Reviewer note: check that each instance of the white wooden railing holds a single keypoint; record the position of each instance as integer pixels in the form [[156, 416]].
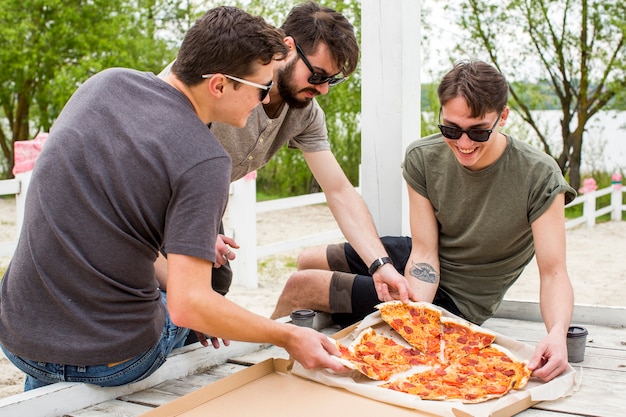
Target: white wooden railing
[[243, 209]]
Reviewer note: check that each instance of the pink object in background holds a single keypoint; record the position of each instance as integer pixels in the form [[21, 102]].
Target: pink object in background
[[616, 181], [589, 185], [26, 153], [250, 176]]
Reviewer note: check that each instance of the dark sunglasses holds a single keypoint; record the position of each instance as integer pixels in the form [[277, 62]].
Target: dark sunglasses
[[265, 89], [477, 135], [315, 78]]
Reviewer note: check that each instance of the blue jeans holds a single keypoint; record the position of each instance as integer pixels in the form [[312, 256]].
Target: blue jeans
[[39, 374]]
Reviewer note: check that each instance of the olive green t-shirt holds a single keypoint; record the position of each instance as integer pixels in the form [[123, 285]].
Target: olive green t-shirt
[[484, 217]]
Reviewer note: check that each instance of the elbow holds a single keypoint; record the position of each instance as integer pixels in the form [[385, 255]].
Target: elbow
[[179, 312]]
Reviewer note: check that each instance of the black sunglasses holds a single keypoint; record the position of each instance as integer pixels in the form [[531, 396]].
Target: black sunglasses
[[477, 135], [315, 78]]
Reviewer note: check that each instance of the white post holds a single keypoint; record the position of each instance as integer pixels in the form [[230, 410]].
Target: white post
[[20, 198], [589, 208], [390, 106], [616, 197], [242, 228]]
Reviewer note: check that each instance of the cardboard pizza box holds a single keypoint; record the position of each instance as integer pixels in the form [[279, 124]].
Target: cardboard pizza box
[[279, 387], [269, 389]]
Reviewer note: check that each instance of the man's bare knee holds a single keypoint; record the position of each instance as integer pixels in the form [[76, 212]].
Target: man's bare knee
[[313, 258]]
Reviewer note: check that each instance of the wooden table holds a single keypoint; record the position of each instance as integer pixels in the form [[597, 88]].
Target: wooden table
[[602, 390]]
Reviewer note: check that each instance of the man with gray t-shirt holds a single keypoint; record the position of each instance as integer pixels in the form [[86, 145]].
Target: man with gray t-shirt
[[129, 171]]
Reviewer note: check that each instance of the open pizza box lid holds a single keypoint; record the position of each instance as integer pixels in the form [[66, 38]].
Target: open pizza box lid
[[513, 402]]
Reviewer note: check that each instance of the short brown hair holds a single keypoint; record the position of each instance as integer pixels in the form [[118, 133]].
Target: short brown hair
[[230, 41], [482, 86], [309, 24]]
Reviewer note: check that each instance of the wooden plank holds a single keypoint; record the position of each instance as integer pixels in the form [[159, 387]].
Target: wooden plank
[[172, 389], [583, 314], [599, 336], [601, 393], [62, 398], [255, 357], [602, 373], [113, 408]]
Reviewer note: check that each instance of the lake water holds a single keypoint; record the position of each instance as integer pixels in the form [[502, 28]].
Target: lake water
[[604, 141]]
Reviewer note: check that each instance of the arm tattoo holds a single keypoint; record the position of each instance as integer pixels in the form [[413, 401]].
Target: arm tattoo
[[424, 272]]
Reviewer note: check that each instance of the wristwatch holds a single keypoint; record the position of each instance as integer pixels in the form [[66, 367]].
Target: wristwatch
[[377, 264]]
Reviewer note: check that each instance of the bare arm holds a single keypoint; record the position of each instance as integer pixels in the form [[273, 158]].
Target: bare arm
[[356, 224], [192, 303], [422, 269], [556, 296]]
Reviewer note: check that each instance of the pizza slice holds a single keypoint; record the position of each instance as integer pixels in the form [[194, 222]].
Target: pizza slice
[[378, 357], [489, 373], [427, 385], [417, 323], [460, 338]]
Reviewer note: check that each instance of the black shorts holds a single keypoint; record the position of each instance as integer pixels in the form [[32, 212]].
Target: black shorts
[[352, 292]]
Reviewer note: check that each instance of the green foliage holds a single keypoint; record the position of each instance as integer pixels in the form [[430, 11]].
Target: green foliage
[[287, 173], [575, 47], [51, 46], [603, 180], [430, 109]]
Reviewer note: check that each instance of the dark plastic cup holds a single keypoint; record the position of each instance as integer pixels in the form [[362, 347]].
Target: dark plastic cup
[[576, 341], [302, 318]]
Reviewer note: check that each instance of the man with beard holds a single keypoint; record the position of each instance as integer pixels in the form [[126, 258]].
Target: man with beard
[[323, 52]]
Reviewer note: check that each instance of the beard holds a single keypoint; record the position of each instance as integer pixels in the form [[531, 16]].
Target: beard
[[286, 90]]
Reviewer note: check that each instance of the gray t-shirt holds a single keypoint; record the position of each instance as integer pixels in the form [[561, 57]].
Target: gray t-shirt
[[252, 146], [484, 217], [128, 170]]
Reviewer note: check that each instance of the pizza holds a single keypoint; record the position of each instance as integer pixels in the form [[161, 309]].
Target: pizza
[[378, 356], [461, 338], [418, 323], [460, 361], [489, 373], [427, 385]]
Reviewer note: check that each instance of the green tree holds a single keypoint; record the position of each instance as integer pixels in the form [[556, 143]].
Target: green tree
[[574, 46], [49, 47]]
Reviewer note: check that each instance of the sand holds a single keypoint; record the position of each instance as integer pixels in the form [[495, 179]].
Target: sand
[[595, 264]]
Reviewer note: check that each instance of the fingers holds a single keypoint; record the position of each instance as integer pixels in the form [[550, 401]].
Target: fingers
[[224, 255], [549, 369], [202, 339], [383, 292], [229, 241]]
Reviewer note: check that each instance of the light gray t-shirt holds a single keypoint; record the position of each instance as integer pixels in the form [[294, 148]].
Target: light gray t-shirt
[[127, 170], [252, 146], [484, 217]]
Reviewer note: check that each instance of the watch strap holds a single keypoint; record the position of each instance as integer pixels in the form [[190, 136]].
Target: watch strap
[[377, 264]]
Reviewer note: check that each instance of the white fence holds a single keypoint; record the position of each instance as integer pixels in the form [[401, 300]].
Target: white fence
[[243, 209]]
